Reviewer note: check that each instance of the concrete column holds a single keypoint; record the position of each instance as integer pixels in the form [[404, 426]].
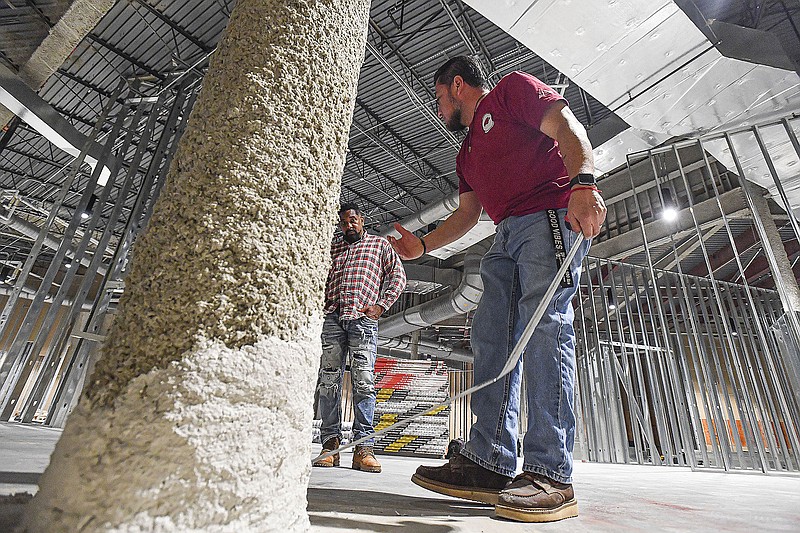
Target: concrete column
[[198, 414], [78, 20], [781, 267]]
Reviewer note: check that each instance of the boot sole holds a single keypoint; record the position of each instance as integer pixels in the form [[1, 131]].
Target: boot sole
[[474, 494], [565, 510], [326, 464], [373, 469]]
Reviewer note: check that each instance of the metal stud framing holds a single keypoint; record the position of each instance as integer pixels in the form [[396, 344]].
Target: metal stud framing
[[689, 370], [49, 341]]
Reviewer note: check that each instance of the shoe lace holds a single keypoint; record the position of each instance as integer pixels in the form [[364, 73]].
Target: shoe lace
[[542, 482], [365, 451], [533, 478], [459, 463]]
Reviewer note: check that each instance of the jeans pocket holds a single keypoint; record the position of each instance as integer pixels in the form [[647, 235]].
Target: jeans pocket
[[368, 324], [366, 330]]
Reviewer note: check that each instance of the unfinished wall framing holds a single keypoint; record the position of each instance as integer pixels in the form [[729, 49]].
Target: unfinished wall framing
[[681, 360]]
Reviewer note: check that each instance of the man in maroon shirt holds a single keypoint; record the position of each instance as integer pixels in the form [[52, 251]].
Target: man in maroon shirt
[[528, 162], [365, 279]]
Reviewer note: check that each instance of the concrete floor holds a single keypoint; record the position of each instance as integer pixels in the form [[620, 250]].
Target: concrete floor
[[24, 454], [610, 497]]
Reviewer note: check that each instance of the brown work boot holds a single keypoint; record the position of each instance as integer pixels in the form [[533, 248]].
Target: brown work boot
[[330, 445], [462, 478], [536, 498], [364, 460]]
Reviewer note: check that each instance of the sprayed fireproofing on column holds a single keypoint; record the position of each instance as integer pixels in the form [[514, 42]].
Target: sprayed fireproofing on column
[[203, 393]]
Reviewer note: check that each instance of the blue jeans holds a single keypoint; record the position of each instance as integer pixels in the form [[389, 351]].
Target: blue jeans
[[516, 272], [359, 338]]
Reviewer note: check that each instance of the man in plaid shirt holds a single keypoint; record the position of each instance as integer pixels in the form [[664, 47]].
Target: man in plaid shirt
[[365, 279]]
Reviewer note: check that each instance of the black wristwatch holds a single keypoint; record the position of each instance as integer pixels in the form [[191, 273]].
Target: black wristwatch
[[583, 179]]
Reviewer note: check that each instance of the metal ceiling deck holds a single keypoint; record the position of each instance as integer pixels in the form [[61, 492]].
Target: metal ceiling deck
[[399, 160], [23, 26]]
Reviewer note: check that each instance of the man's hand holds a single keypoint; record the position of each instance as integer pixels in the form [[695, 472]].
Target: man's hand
[[586, 212], [373, 311], [408, 246]]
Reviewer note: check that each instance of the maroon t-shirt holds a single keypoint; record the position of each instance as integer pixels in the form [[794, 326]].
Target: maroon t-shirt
[[514, 168]]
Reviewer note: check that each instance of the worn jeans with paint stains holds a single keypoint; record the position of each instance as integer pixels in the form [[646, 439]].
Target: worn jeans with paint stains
[[516, 272], [358, 339]]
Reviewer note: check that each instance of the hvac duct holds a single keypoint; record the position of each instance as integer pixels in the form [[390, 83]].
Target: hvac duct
[[437, 211], [31, 231], [427, 215], [651, 65], [427, 278], [462, 299], [401, 347]]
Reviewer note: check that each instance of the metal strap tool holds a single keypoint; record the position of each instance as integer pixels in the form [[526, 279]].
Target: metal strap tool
[[512, 361]]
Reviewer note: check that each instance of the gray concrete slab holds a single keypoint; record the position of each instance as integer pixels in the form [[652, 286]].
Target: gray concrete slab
[[610, 497], [24, 454]]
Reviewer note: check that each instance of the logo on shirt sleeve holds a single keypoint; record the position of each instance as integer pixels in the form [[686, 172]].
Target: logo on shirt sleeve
[[487, 123]]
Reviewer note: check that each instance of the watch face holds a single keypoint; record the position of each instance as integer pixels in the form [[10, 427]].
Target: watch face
[[586, 179]]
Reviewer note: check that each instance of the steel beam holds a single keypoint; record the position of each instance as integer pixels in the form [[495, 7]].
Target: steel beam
[[660, 231], [174, 26], [30, 107]]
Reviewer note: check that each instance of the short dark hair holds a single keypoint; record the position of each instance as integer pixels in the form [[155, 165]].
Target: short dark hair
[[350, 206], [464, 66]]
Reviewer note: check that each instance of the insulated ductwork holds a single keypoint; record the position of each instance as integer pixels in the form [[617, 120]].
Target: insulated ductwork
[[463, 299], [401, 347], [427, 278], [651, 65], [27, 229], [437, 211], [428, 215], [648, 62]]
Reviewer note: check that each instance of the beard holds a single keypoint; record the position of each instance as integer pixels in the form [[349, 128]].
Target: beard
[[351, 236], [454, 124]]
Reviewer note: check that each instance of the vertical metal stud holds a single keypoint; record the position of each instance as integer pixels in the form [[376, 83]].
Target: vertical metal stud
[[12, 383], [79, 361]]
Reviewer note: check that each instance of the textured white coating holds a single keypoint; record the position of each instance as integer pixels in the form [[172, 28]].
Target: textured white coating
[[198, 414], [228, 428]]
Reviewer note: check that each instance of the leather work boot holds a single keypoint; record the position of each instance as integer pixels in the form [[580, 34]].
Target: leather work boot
[[536, 498], [462, 478], [364, 460], [330, 444]]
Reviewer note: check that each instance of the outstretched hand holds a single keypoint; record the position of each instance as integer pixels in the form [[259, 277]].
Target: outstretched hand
[[586, 212], [408, 246]]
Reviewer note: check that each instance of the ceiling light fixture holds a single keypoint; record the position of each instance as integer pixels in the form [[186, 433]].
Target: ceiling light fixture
[[89, 211], [669, 212]]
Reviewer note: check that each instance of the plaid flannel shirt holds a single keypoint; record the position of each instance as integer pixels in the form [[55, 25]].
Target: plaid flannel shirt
[[364, 273]]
